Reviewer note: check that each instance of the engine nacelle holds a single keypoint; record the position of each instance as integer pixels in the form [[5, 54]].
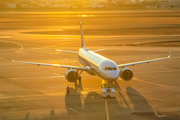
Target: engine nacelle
[[71, 75], [126, 74]]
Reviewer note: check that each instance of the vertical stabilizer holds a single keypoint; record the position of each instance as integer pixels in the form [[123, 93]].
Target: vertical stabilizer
[[82, 36]]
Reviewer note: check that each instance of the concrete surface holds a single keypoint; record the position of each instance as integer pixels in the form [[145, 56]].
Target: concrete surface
[[30, 92]]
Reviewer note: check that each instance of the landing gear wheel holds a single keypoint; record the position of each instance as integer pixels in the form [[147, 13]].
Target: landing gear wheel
[[79, 78]]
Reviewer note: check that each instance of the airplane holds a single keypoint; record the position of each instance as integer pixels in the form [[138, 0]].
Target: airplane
[[95, 64]]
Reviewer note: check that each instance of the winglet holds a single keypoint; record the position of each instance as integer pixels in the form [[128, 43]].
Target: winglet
[[82, 36], [169, 52], [11, 58]]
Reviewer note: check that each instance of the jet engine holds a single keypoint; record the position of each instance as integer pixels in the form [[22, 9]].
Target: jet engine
[[126, 74], [71, 75]]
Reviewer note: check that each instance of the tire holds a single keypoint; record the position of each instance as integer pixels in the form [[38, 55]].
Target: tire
[[79, 78]]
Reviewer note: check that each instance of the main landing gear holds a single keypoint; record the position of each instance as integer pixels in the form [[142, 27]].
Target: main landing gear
[[78, 84], [79, 77]]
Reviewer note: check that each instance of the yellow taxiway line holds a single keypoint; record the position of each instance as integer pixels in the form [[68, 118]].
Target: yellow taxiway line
[[151, 83], [106, 107]]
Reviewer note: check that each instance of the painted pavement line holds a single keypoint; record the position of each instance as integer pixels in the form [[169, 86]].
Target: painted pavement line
[[35, 95], [12, 43], [73, 110], [151, 83], [106, 107]]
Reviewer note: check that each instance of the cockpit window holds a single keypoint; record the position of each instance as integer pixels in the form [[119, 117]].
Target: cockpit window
[[109, 68], [105, 68], [114, 68]]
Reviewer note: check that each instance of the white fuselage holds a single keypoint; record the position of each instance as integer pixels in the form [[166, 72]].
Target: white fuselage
[[99, 65]]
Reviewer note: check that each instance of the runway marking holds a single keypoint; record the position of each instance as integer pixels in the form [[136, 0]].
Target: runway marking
[[90, 36], [38, 77], [57, 74], [13, 43], [152, 83], [159, 71], [33, 47], [55, 94], [73, 110], [52, 94], [82, 100], [2, 96], [39, 48], [84, 92], [7, 97], [5, 36], [63, 93], [106, 107], [151, 42], [161, 116]]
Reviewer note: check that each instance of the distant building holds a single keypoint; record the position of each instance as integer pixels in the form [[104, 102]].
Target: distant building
[[65, 5], [23, 5], [150, 1], [42, 5], [168, 3], [132, 2], [11, 5], [162, 3]]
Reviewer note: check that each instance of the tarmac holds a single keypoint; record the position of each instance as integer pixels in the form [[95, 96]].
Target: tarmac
[[30, 92]]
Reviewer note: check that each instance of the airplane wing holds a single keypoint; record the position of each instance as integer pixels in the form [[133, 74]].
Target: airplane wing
[[140, 62], [55, 65]]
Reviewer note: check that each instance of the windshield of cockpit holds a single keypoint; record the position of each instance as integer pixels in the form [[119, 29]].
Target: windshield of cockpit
[[109, 68]]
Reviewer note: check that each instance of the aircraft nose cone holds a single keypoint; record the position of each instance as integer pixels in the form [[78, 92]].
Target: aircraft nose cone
[[115, 74]]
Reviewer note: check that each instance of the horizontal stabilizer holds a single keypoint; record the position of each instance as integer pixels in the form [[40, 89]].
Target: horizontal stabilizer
[[98, 50], [66, 51]]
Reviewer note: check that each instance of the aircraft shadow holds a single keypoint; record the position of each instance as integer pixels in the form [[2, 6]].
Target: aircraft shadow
[[89, 107], [72, 101], [118, 107], [141, 106], [128, 105]]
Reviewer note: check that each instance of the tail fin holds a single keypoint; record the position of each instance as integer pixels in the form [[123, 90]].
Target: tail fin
[[82, 36]]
